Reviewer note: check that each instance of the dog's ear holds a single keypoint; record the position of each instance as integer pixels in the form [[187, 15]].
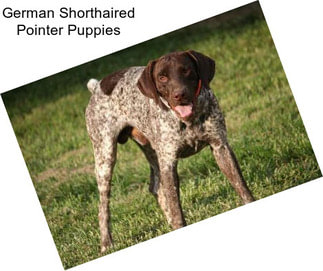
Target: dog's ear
[[205, 67], [147, 86]]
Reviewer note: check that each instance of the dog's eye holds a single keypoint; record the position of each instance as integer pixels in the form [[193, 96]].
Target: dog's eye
[[162, 78], [185, 71]]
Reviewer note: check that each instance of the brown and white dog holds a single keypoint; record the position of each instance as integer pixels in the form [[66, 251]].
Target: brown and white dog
[[169, 109]]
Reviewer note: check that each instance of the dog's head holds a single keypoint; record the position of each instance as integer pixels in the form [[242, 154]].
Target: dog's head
[[177, 78]]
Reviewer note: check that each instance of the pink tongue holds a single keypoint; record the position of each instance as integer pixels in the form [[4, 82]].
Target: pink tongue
[[184, 110]]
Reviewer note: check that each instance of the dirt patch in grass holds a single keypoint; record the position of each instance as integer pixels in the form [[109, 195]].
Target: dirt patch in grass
[[64, 173], [71, 154]]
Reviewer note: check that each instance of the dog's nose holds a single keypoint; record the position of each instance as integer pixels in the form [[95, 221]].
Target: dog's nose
[[179, 95]]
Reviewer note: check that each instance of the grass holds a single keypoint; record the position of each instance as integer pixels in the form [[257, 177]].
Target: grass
[[264, 129]]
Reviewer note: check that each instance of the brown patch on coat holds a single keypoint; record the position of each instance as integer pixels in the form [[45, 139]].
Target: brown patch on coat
[[139, 137], [108, 83], [134, 133]]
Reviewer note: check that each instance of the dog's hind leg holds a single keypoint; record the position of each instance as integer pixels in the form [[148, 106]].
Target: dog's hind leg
[[105, 158], [151, 157]]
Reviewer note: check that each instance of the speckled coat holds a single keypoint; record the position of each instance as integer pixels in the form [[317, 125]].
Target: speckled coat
[[164, 138]]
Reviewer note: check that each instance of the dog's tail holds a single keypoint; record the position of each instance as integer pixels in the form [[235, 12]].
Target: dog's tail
[[92, 85]]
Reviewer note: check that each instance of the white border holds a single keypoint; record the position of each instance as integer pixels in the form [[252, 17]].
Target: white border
[[281, 232]]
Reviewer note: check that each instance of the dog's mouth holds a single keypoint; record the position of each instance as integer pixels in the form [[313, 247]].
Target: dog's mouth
[[184, 111]]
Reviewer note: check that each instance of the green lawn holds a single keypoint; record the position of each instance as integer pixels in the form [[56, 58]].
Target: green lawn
[[264, 129]]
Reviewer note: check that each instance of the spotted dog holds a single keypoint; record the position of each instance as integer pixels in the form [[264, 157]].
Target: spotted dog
[[168, 108]]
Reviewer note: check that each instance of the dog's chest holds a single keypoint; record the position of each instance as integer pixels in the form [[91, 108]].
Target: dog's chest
[[190, 140], [168, 134]]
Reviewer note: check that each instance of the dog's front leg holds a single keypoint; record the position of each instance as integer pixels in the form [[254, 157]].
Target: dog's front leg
[[229, 166], [168, 193]]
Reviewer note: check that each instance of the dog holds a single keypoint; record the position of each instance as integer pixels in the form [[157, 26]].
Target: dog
[[169, 110]]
